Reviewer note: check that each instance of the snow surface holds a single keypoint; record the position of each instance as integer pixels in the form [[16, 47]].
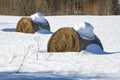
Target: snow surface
[[85, 30], [89, 64]]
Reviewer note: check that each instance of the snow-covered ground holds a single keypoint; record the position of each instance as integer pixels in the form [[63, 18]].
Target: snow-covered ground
[[89, 64]]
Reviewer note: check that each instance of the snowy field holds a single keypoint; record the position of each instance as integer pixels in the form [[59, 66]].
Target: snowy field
[[89, 64]]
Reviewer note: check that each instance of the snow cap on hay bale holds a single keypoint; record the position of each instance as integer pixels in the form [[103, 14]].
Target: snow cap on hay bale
[[40, 19], [27, 25], [85, 31], [64, 40]]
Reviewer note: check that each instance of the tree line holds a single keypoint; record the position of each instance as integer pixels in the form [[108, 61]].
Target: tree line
[[59, 7]]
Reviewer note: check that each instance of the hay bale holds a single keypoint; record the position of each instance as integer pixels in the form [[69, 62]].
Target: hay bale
[[26, 25], [64, 40], [68, 40]]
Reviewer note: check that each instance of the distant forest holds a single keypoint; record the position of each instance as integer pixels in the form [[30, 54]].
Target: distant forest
[[59, 7]]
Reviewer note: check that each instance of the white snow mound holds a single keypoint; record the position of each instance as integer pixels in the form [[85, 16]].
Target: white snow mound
[[38, 17], [85, 30]]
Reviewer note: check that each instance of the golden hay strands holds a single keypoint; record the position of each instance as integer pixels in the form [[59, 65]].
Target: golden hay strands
[[64, 40], [25, 25]]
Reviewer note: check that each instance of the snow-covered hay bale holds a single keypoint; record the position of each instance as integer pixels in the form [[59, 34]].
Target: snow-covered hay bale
[[73, 40], [64, 40], [32, 24]]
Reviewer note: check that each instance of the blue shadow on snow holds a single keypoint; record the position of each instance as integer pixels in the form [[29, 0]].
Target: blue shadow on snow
[[41, 31], [51, 76], [9, 30], [95, 49], [44, 31], [31, 76]]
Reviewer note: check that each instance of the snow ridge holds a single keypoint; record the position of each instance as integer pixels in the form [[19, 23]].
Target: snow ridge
[[85, 30]]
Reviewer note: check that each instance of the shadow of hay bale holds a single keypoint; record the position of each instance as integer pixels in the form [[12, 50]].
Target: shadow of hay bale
[[44, 31], [8, 29], [26, 25], [68, 40], [95, 49]]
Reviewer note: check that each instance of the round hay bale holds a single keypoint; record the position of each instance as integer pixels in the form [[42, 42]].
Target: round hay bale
[[68, 40], [64, 40], [26, 25]]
